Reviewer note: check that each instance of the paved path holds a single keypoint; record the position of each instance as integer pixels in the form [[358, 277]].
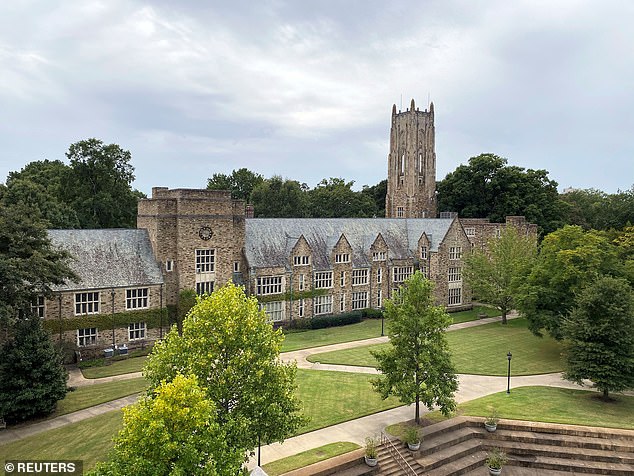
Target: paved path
[[77, 379], [471, 387], [301, 356], [22, 431]]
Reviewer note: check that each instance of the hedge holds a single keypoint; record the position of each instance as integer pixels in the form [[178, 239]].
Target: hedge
[[151, 317]]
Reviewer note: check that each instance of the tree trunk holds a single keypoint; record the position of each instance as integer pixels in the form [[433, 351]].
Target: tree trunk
[[417, 417], [605, 394], [504, 321]]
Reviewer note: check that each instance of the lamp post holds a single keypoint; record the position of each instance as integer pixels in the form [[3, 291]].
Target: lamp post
[[509, 356]]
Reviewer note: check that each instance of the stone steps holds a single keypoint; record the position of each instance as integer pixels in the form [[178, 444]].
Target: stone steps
[[459, 446], [389, 467]]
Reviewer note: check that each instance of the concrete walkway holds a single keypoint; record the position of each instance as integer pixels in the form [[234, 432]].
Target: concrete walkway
[[22, 431], [470, 387], [77, 379], [301, 356]]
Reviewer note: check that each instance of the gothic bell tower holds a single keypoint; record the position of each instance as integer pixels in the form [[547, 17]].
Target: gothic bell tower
[[411, 170]]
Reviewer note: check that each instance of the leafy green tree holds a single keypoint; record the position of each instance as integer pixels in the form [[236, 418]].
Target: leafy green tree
[[417, 367], [377, 193], [39, 186], [280, 198], [31, 371], [334, 198], [568, 259], [624, 241], [99, 185], [489, 188], [29, 265], [495, 274], [186, 300], [599, 337], [241, 182], [172, 432], [228, 342], [582, 207]]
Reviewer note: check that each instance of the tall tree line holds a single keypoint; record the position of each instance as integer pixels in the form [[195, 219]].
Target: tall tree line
[[94, 190]]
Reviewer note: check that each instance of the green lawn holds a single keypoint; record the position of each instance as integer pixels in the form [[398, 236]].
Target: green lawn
[[472, 315], [332, 335], [91, 395], [306, 458], [295, 341], [333, 397], [363, 330], [328, 398], [556, 405], [478, 350], [88, 440], [118, 367]]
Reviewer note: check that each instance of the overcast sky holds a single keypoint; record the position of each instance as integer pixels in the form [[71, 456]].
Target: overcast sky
[[304, 89]]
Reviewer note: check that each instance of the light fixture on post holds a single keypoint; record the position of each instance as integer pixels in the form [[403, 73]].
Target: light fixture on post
[[509, 356]]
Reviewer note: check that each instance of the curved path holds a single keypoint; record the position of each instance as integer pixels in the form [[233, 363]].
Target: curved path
[[471, 386]]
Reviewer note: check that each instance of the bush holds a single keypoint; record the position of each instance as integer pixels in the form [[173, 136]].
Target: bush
[[31, 372], [370, 313], [335, 320]]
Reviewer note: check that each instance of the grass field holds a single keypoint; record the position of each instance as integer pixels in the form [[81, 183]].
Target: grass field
[[88, 440], [91, 395], [119, 367], [306, 458], [295, 341], [478, 350], [363, 330], [328, 398], [556, 405], [333, 397]]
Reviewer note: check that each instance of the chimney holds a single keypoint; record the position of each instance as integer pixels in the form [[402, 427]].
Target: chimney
[[250, 211]]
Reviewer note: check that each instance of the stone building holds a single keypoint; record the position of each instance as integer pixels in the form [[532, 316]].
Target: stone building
[[130, 280], [411, 172], [118, 298]]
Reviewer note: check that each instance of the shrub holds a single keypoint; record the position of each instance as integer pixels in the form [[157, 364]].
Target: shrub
[[31, 372]]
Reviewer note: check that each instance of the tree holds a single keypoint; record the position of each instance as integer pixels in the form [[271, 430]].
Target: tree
[[31, 371], [568, 259], [334, 198], [99, 185], [495, 274], [39, 186], [489, 188], [280, 198], [172, 432], [29, 265], [599, 337], [228, 342], [241, 182], [582, 207], [417, 367], [377, 193]]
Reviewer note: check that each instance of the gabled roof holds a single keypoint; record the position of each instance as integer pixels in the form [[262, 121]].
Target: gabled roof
[[270, 240], [108, 258]]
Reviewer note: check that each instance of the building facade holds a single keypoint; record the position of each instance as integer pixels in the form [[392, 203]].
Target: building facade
[[130, 280]]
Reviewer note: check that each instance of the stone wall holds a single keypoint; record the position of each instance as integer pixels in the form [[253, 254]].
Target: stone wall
[[182, 221]]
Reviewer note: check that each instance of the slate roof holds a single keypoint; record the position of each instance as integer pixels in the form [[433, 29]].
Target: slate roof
[[269, 241], [108, 258]]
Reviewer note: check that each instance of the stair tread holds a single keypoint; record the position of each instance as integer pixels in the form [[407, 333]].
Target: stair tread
[[459, 466], [512, 447], [553, 437]]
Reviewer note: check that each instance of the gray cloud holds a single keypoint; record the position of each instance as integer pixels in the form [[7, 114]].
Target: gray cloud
[[304, 89]]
